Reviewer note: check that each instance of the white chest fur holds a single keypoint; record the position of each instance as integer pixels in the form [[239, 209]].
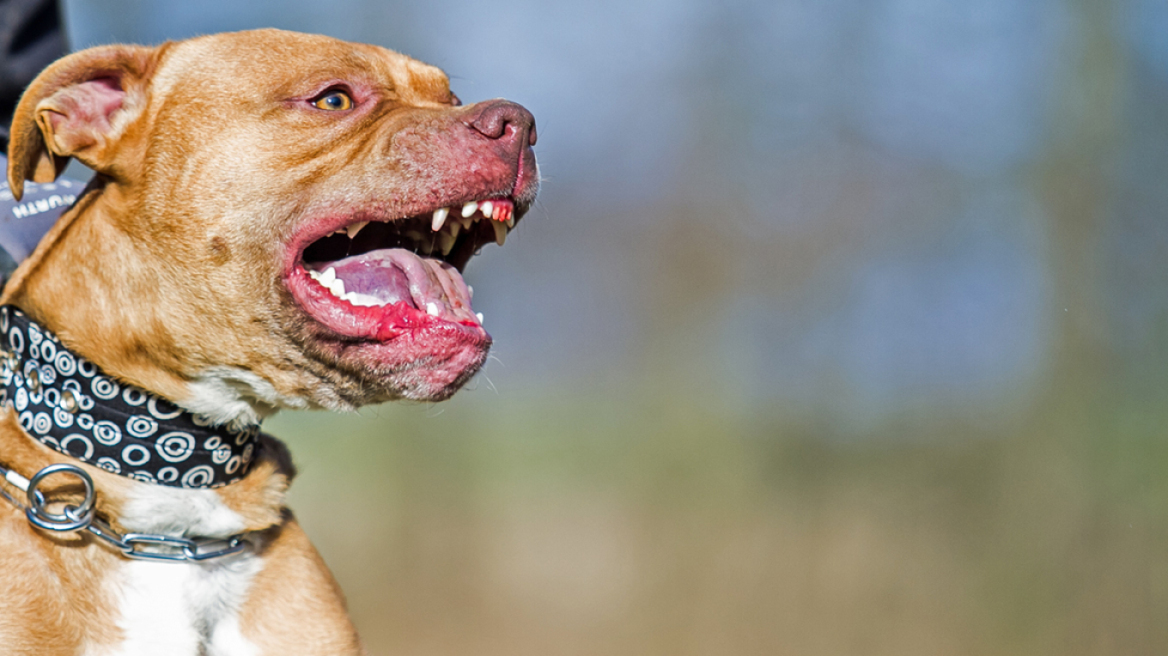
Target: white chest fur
[[183, 609]]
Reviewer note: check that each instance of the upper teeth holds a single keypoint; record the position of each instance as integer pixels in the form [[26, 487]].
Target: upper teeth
[[448, 222], [355, 228]]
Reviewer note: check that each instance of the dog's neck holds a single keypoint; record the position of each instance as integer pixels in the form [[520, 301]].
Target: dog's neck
[[82, 289], [65, 402], [234, 397]]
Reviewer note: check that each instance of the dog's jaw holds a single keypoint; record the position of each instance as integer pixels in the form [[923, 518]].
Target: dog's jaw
[[391, 306], [381, 280]]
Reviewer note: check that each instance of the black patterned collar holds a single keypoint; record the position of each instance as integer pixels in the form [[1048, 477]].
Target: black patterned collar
[[67, 403]]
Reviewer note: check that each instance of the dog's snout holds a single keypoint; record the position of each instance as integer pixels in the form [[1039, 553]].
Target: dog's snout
[[503, 120]]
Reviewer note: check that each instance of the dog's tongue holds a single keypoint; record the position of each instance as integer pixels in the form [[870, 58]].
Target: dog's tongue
[[374, 278], [394, 275]]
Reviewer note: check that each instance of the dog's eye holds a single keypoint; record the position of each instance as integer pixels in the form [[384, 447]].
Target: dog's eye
[[334, 101]]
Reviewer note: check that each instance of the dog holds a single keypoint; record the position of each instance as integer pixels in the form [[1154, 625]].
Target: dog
[[277, 220]]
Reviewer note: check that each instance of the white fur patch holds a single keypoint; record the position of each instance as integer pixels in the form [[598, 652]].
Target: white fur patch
[[156, 617], [183, 609], [228, 640], [179, 511], [229, 395]]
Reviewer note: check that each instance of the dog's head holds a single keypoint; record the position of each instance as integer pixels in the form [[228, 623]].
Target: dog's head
[[277, 216]]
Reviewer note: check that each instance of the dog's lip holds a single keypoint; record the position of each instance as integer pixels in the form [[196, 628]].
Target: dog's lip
[[376, 323], [418, 356]]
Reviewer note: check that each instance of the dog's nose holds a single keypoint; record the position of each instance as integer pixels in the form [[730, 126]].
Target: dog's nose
[[503, 120]]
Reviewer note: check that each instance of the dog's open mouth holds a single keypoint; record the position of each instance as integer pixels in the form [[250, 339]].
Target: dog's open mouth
[[376, 271], [371, 279]]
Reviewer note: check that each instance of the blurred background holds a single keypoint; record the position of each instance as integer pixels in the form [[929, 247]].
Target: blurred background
[[841, 327]]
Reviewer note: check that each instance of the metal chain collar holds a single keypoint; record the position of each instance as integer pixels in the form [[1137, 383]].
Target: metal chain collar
[[141, 546]]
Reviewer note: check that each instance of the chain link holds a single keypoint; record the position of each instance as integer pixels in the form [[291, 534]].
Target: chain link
[[140, 546]]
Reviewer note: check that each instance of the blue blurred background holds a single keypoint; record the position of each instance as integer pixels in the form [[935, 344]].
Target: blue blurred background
[[841, 327]]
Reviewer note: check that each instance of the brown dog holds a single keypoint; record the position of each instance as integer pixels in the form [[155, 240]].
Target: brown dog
[[278, 221]]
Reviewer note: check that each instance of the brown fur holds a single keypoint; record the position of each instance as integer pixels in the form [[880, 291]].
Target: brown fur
[[170, 264]]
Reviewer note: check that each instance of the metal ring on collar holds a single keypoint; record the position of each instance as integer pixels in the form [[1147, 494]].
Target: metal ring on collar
[[73, 518]]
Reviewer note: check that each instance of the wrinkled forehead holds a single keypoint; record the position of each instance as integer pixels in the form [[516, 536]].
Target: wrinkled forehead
[[275, 62]]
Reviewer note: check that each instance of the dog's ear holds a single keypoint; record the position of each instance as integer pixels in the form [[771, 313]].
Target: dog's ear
[[80, 106]]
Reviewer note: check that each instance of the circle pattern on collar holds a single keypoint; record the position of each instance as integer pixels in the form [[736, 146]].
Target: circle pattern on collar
[[68, 404]]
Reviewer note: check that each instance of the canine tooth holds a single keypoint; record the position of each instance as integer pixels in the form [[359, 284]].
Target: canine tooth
[[500, 232], [487, 208], [353, 229], [470, 292], [327, 277], [439, 218], [469, 208], [445, 242], [432, 309], [479, 316]]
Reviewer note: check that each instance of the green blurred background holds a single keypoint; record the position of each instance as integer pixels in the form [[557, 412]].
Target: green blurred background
[[840, 328]]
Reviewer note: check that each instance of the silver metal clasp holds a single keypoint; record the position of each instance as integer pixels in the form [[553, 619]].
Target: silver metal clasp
[[72, 518], [162, 547]]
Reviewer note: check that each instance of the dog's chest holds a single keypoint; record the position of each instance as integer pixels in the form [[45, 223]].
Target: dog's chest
[[183, 608]]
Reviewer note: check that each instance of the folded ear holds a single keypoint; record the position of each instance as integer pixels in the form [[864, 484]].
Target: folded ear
[[80, 106]]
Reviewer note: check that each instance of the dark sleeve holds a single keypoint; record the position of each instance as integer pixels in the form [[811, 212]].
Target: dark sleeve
[[31, 38]]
